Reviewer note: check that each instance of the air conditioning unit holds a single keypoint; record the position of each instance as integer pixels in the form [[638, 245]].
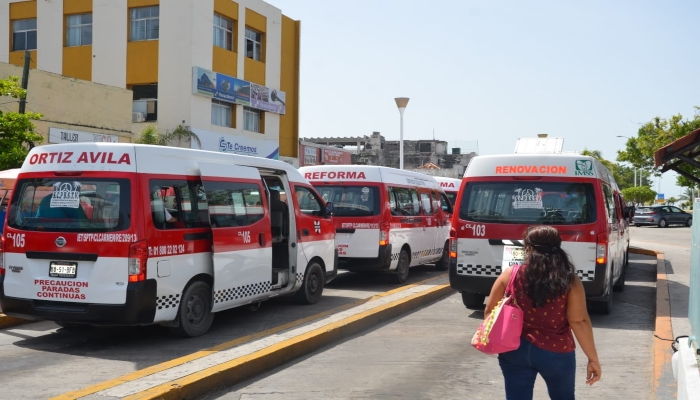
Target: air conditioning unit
[[138, 117]]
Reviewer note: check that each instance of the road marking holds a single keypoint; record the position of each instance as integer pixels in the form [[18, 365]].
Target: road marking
[[154, 369]]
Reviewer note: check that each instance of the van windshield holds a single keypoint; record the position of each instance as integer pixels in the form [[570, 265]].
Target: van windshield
[[551, 203], [351, 201], [71, 205]]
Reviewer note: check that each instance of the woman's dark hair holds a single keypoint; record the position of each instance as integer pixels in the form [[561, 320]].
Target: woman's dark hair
[[549, 271]]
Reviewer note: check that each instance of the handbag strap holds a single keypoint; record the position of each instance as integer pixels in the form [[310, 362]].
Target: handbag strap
[[511, 286]]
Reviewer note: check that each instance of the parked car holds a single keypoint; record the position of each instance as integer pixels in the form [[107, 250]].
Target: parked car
[[662, 216]]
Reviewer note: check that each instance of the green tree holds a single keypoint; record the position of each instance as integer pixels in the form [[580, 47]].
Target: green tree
[[152, 135], [639, 151], [639, 195], [671, 201], [17, 133]]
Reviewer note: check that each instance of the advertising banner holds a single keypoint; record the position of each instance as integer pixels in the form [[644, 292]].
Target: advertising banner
[[60, 135], [266, 99], [233, 90], [234, 144]]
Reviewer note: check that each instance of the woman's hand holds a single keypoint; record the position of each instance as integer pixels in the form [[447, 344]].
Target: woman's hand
[[593, 372]]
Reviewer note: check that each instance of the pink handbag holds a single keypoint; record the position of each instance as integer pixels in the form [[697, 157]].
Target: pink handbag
[[500, 331]]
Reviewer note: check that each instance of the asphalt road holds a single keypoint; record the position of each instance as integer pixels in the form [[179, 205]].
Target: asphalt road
[[427, 355]]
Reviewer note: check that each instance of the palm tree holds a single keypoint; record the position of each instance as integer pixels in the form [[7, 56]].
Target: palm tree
[[671, 201], [152, 135]]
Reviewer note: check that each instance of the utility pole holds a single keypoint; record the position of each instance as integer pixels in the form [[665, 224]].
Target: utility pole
[[25, 80]]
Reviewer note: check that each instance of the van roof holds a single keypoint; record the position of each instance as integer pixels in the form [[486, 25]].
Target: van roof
[[564, 165], [367, 173], [128, 157]]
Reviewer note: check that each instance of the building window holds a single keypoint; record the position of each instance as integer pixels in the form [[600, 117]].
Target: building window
[[221, 113], [253, 44], [144, 23], [251, 119], [79, 30], [223, 32], [24, 34], [145, 107]]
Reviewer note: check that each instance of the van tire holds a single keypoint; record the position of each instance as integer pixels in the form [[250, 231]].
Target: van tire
[[473, 301], [663, 223], [194, 316], [312, 286], [620, 284], [402, 267], [603, 307], [444, 261]]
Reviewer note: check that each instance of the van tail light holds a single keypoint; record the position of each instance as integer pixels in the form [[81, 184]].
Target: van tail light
[[453, 243], [2, 255], [138, 257], [384, 234], [601, 249]]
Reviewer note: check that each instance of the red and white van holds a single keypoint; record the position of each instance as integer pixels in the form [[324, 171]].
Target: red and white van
[[123, 234], [7, 182], [502, 195], [450, 186], [386, 219]]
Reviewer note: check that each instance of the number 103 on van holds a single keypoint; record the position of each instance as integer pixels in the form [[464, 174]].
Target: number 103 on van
[[477, 230]]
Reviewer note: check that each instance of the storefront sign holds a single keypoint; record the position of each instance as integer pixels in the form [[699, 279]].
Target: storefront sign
[[333, 156], [233, 90], [310, 154], [60, 135], [234, 144]]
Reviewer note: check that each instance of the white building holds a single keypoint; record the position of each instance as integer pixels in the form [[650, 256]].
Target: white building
[[237, 88]]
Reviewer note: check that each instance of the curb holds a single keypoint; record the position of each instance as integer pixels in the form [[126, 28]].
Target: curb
[[7, 322], [663, 330], [237, 370]]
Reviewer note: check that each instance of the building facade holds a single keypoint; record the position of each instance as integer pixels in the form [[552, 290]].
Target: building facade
[[228, 70], [73, 110], [375, 150]]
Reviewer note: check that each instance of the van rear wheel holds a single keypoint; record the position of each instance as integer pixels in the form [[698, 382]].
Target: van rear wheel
[[603, 307], [444, 260], [473, 301], [194, 315], [402, 267], [312, 287]]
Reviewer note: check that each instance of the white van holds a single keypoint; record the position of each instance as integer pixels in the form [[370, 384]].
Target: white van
[[450, 186], [386, 219], [123, 234]]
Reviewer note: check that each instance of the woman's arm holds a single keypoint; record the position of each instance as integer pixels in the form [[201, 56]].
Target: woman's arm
[[497, 291], [580, 322]]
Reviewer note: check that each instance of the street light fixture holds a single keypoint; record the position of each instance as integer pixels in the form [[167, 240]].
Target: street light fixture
[[401, 103], [635, 169]]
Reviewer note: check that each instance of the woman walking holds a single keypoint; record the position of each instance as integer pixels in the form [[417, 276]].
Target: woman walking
[[553, 301]]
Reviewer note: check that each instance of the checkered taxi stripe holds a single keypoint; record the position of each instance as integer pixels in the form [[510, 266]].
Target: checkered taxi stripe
[[495, 270], [420, 254], [240, 292]]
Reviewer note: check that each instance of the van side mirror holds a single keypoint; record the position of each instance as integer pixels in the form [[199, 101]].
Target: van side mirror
[[329, 209]]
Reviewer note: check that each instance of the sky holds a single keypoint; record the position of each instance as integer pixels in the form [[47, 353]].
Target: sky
[[481, 74]]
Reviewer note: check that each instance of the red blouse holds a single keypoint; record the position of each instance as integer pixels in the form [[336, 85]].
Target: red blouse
[[546, 327]]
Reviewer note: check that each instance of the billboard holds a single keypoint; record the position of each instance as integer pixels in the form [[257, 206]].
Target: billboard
[[333, 156], [236, 144], [233, 90], [310, 155], [60, 135]]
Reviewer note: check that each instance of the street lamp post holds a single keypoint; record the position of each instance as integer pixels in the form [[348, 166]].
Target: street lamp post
[[635, 169], [401, 103]]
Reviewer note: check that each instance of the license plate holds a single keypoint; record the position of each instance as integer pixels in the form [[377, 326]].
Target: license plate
[[59, 269], [513, 253]]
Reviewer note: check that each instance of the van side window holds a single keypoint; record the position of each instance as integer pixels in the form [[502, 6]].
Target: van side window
[[233, 204], [610, 203], [426, 202], [178, 203], [308, 202], [445, 203], [407, 203]]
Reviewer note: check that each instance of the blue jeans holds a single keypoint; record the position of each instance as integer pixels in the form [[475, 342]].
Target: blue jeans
[[520, 368]]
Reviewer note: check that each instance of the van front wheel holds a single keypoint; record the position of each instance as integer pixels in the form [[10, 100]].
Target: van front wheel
[[195, 316], [473, 301], [312, 287]]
